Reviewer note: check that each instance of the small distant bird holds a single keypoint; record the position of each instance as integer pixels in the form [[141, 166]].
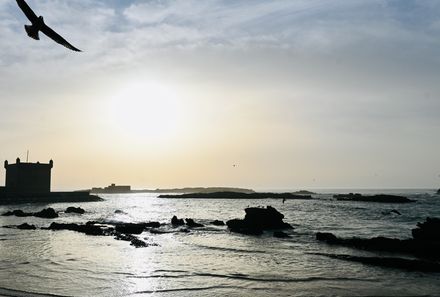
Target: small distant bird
[[39, 25]]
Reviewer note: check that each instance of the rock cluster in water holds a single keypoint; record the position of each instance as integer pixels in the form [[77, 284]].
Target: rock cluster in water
[[257, 220], [48, 213]]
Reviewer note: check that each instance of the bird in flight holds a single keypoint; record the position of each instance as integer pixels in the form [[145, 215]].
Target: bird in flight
[[39, 25]]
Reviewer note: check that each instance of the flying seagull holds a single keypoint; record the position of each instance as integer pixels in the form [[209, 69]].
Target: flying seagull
[[39, 25]]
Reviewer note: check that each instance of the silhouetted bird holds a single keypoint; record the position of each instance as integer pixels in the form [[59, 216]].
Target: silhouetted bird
[[39, 25]]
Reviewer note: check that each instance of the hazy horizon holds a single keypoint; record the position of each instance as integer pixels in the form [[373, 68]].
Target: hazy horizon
[[295, 94]]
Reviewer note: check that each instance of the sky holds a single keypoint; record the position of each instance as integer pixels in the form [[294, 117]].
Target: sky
[[297, 94]]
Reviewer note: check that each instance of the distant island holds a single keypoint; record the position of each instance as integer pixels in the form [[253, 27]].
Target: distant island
[[382, 198], [238, 195], [118, 189]]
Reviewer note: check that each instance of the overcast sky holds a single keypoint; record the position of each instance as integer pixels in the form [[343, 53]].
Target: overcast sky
[[296, 94]]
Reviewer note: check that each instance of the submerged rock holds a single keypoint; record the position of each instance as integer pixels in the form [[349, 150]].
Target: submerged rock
[[177, 222], [258, 219], [191, 223], [382, 198], [77, 210]]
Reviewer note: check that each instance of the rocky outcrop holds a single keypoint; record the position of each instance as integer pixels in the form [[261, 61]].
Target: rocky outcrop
[[77, 210], [258, 219], [48, 213], [192, 224], [382, 198], [177, 222], [425, 242], [391, 262], [26, 226], [130, 228], [428, 230], [218, 223]]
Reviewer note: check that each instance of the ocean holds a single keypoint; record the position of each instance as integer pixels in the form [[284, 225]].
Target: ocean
[[211, 261]]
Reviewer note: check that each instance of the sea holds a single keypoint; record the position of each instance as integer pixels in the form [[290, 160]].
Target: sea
[[211, 261]]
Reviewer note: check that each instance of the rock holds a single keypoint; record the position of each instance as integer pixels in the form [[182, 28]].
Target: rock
[[177, 222], [48, 213], [438, 192], [26, 226], [417, 247], [428, 230], [192, 224], [17, 213], [152, 224], [240, 226], [258, 219], [77, 210], [327, 237], [218, 223], [130, 228], [265, 218], [382, 198], [280, 234], [391, 262], [88, 229]]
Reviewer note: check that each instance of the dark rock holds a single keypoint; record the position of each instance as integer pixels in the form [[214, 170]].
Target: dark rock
[[184, 230], [88, 229], [391, 262], [428, 230], [240, 226], [258, 219], [280, 234], [77, 210], [17, 213], [265, 218], [48, 213], [382, 198], [177, 222], [327, 237], [420, 248], [218, 223], [26, 226], [152, 224], [192, 224], [130, 228], [438, 192], [118, 211]]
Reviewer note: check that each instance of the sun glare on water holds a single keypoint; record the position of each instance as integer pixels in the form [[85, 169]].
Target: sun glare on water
[[147, 111]]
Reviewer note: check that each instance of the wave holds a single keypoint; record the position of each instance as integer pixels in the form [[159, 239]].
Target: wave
[[187, 289], [244, 277], [17, 293], [229, 249]]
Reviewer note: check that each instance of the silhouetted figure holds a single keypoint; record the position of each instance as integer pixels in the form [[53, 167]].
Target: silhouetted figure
[[39, 25], [284, 200]]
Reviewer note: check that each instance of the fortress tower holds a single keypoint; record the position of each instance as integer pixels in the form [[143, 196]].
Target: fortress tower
[[28, 177]]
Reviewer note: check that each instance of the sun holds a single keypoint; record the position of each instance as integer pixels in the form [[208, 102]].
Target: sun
[[145, 110]]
